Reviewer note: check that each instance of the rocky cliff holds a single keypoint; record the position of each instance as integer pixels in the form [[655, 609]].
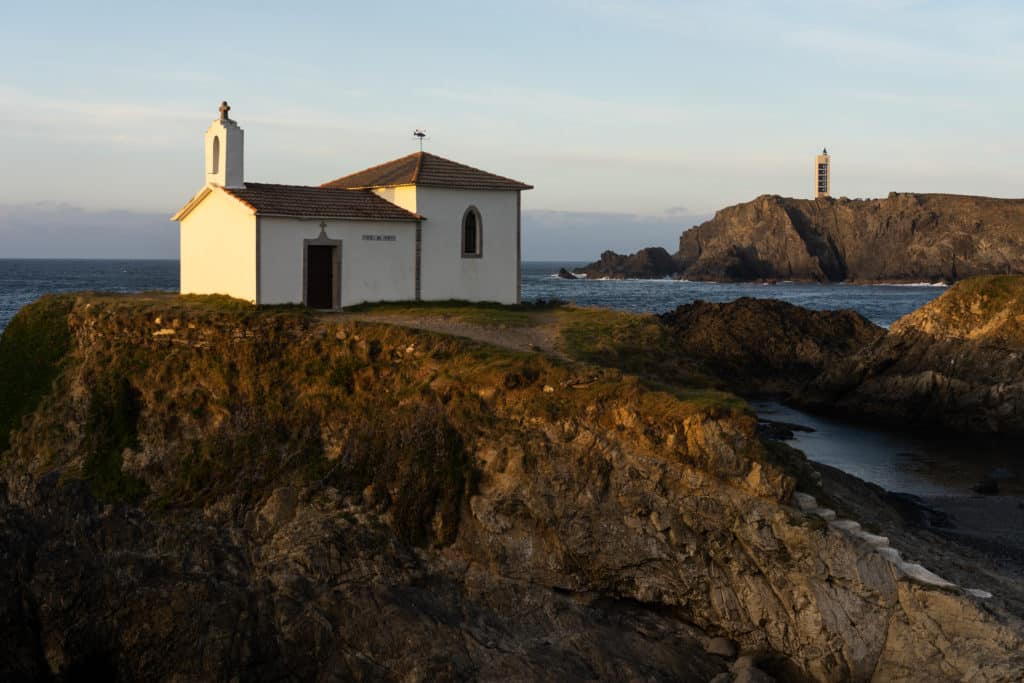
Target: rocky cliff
[[197, 490], [905, 237], [764, 346], [652, 262], [957, 362]]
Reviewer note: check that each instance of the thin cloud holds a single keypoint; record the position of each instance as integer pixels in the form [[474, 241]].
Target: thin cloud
[[18, 107], [901, 53], [60, 230], [583, 235]]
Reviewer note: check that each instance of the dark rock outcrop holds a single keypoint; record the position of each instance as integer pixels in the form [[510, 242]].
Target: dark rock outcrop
[[766, 346], [210, 492], [652, 262], [957, 362], [906, 237], [565, 274]]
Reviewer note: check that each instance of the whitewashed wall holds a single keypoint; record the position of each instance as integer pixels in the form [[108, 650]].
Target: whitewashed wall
[[370, 270], [446, 274], [218, 248]]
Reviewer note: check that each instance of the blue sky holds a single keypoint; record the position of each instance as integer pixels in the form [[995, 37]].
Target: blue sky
[[633, 119]]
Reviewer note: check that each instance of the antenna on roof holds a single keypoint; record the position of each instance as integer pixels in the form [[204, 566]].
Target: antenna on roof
[[422, 135]]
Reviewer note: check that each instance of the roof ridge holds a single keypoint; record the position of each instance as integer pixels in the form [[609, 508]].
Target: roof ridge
[[308, 187], [419, 166], [428, 170]]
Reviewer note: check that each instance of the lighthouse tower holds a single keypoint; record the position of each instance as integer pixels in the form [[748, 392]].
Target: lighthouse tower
[[822, 175]]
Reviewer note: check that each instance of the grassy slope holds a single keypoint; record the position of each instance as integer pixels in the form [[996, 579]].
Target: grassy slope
[[31, 350], [633, 343], [641, 346], [989, 307]]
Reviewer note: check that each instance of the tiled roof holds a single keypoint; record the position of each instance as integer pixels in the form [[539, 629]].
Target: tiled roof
[[428, 170], [318, 202]]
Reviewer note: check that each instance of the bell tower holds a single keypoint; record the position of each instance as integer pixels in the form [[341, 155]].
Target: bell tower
[[224, 144], [823, 174]]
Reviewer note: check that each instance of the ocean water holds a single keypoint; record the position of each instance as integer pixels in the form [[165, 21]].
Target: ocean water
[[881, 304], [22, 281], [917, 462]]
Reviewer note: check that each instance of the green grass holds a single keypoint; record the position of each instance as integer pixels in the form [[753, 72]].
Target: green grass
[[31, 350], [700, 398], [169, 306], [484, 314], [992, 292], [1000, 288], [989, 305], [613, 339], [642, 346], [632, 343]]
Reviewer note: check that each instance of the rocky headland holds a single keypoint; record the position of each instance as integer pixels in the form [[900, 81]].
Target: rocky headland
[[906, 237], [957, 362], [194, 489]]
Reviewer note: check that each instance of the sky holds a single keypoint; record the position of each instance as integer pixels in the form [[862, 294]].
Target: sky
[[634, 120]]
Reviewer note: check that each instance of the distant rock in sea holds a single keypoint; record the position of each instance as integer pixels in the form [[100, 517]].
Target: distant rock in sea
[[566, 275], [652, 262], [906, 237]]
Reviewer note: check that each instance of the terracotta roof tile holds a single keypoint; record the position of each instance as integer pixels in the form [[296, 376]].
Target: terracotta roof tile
[[428, 170], [302, 201]]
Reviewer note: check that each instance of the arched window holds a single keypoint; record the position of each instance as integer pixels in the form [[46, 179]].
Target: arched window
[[472, 234], [215, 162]]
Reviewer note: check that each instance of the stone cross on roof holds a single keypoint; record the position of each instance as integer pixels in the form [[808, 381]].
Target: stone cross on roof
[[224, 109]]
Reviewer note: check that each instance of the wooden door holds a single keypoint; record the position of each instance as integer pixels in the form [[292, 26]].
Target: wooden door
[[320, 276]]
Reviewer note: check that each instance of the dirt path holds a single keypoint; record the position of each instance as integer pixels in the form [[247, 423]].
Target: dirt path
[[541, 335]]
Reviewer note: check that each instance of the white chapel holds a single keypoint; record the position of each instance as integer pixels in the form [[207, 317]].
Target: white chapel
[[416, 228]]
